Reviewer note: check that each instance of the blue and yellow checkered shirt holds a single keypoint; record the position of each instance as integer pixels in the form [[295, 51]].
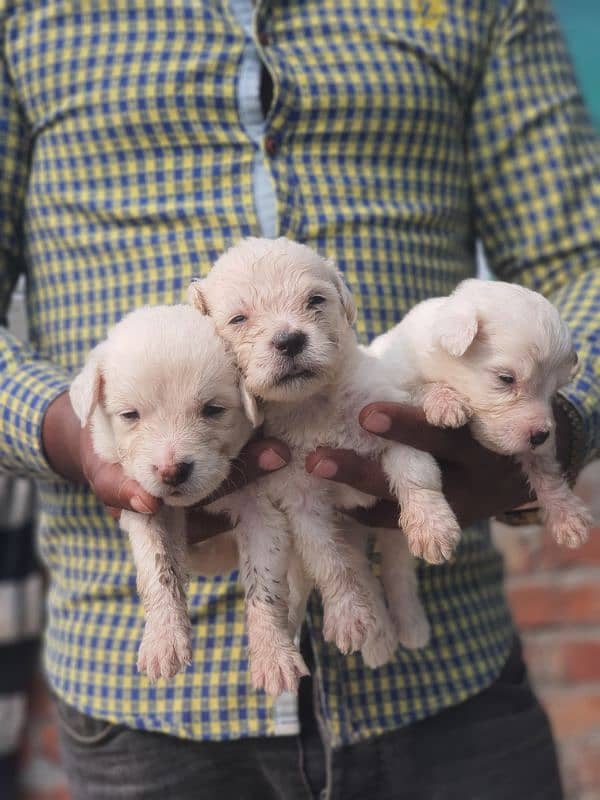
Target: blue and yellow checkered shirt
[[400, 132]]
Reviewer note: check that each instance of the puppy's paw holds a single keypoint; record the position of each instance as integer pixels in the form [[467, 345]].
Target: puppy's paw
[[434, 544], [380, 646], [348, 622], [276, 666], [164, 651], [414, 630], [571, 525], [278, 671], [444, 408], [431, 528]]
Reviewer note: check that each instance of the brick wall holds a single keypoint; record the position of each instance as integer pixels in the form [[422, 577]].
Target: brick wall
[[555, 595], [42, 777]]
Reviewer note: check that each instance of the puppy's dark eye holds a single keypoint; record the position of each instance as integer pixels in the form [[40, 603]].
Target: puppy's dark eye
[[238, 319], [315, 300], [506, 378], [212, 410], [130, 415]]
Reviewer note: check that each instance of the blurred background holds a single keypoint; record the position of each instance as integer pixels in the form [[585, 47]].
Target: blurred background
[[554, 593]]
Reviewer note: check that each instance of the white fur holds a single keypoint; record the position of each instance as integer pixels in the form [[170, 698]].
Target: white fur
[[255, 292], [168, 364], [451, 351]]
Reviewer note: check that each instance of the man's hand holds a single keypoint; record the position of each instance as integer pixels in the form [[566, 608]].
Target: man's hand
[[477, 483], [258, 458], [69, 450]]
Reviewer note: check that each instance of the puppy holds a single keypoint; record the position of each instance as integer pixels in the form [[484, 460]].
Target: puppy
[[493, 355], [162, 397], [288, 316]]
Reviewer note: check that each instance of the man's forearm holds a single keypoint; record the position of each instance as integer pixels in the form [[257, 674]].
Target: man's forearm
[[60, 438]]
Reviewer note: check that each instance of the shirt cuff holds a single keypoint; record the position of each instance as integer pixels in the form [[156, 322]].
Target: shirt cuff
[[25, 394], [581, 435]]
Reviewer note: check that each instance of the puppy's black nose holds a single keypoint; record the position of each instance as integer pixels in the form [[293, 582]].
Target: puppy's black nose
[[175, 474], [538, 437], [291, 343]]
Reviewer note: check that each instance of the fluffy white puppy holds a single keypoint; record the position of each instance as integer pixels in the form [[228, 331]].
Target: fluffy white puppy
[[494, 354], [288, 317], [162, 397]]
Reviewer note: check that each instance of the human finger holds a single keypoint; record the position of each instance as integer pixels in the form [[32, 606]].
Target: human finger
[[110, 484], [258, 458], [345, 466], [404, 423]]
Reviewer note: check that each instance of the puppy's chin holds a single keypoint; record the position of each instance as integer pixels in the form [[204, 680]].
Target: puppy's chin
[[185, 496], [200, 486], [505, 440], [182, 500], [290, 382], [292, 387]]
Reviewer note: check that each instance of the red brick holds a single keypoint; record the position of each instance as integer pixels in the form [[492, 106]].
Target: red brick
[[518, 546], [552, 556], [544, 601], [49, 742], [580, 763], [564, 657], [40, 704], [61, 793], [25, 749], [587, 488], [582, 660], [573, 712]]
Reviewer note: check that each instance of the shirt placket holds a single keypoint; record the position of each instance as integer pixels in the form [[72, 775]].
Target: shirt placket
[[252, 18]]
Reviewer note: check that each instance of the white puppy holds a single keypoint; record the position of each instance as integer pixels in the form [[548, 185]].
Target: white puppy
[[161, 395], [288, 315], [494, 354]]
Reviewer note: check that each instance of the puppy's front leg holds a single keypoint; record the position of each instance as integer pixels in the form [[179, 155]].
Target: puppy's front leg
[[382, 643], [263, 539], [399, 576], [159, 552], [444, 407], [425, 516], [300, 586], [563, 513], [341, 574]]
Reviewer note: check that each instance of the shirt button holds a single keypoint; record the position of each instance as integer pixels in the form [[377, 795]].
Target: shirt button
[[263, 38], [271, 146]]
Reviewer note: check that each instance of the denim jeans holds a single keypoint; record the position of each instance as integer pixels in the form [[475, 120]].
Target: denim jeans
[[495, 746]]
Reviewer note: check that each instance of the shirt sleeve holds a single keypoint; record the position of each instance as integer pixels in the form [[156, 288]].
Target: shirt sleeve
[[535, 176], [27, 384]]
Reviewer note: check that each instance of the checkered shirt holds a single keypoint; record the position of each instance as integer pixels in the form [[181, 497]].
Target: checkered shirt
[[400, 132]]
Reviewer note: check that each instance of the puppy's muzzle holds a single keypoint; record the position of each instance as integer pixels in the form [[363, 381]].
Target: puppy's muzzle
[[175, 474], [290, 343], [538, 438]]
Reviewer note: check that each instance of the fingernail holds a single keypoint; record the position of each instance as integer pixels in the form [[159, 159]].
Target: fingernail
[[269, 460], [325, 468], [376, 422], [138, 505]]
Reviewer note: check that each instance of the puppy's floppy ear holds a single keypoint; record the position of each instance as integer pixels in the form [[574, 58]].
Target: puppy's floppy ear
[[87, 386], [250, 406], [344, 293], [196, 295], [456, 326]]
